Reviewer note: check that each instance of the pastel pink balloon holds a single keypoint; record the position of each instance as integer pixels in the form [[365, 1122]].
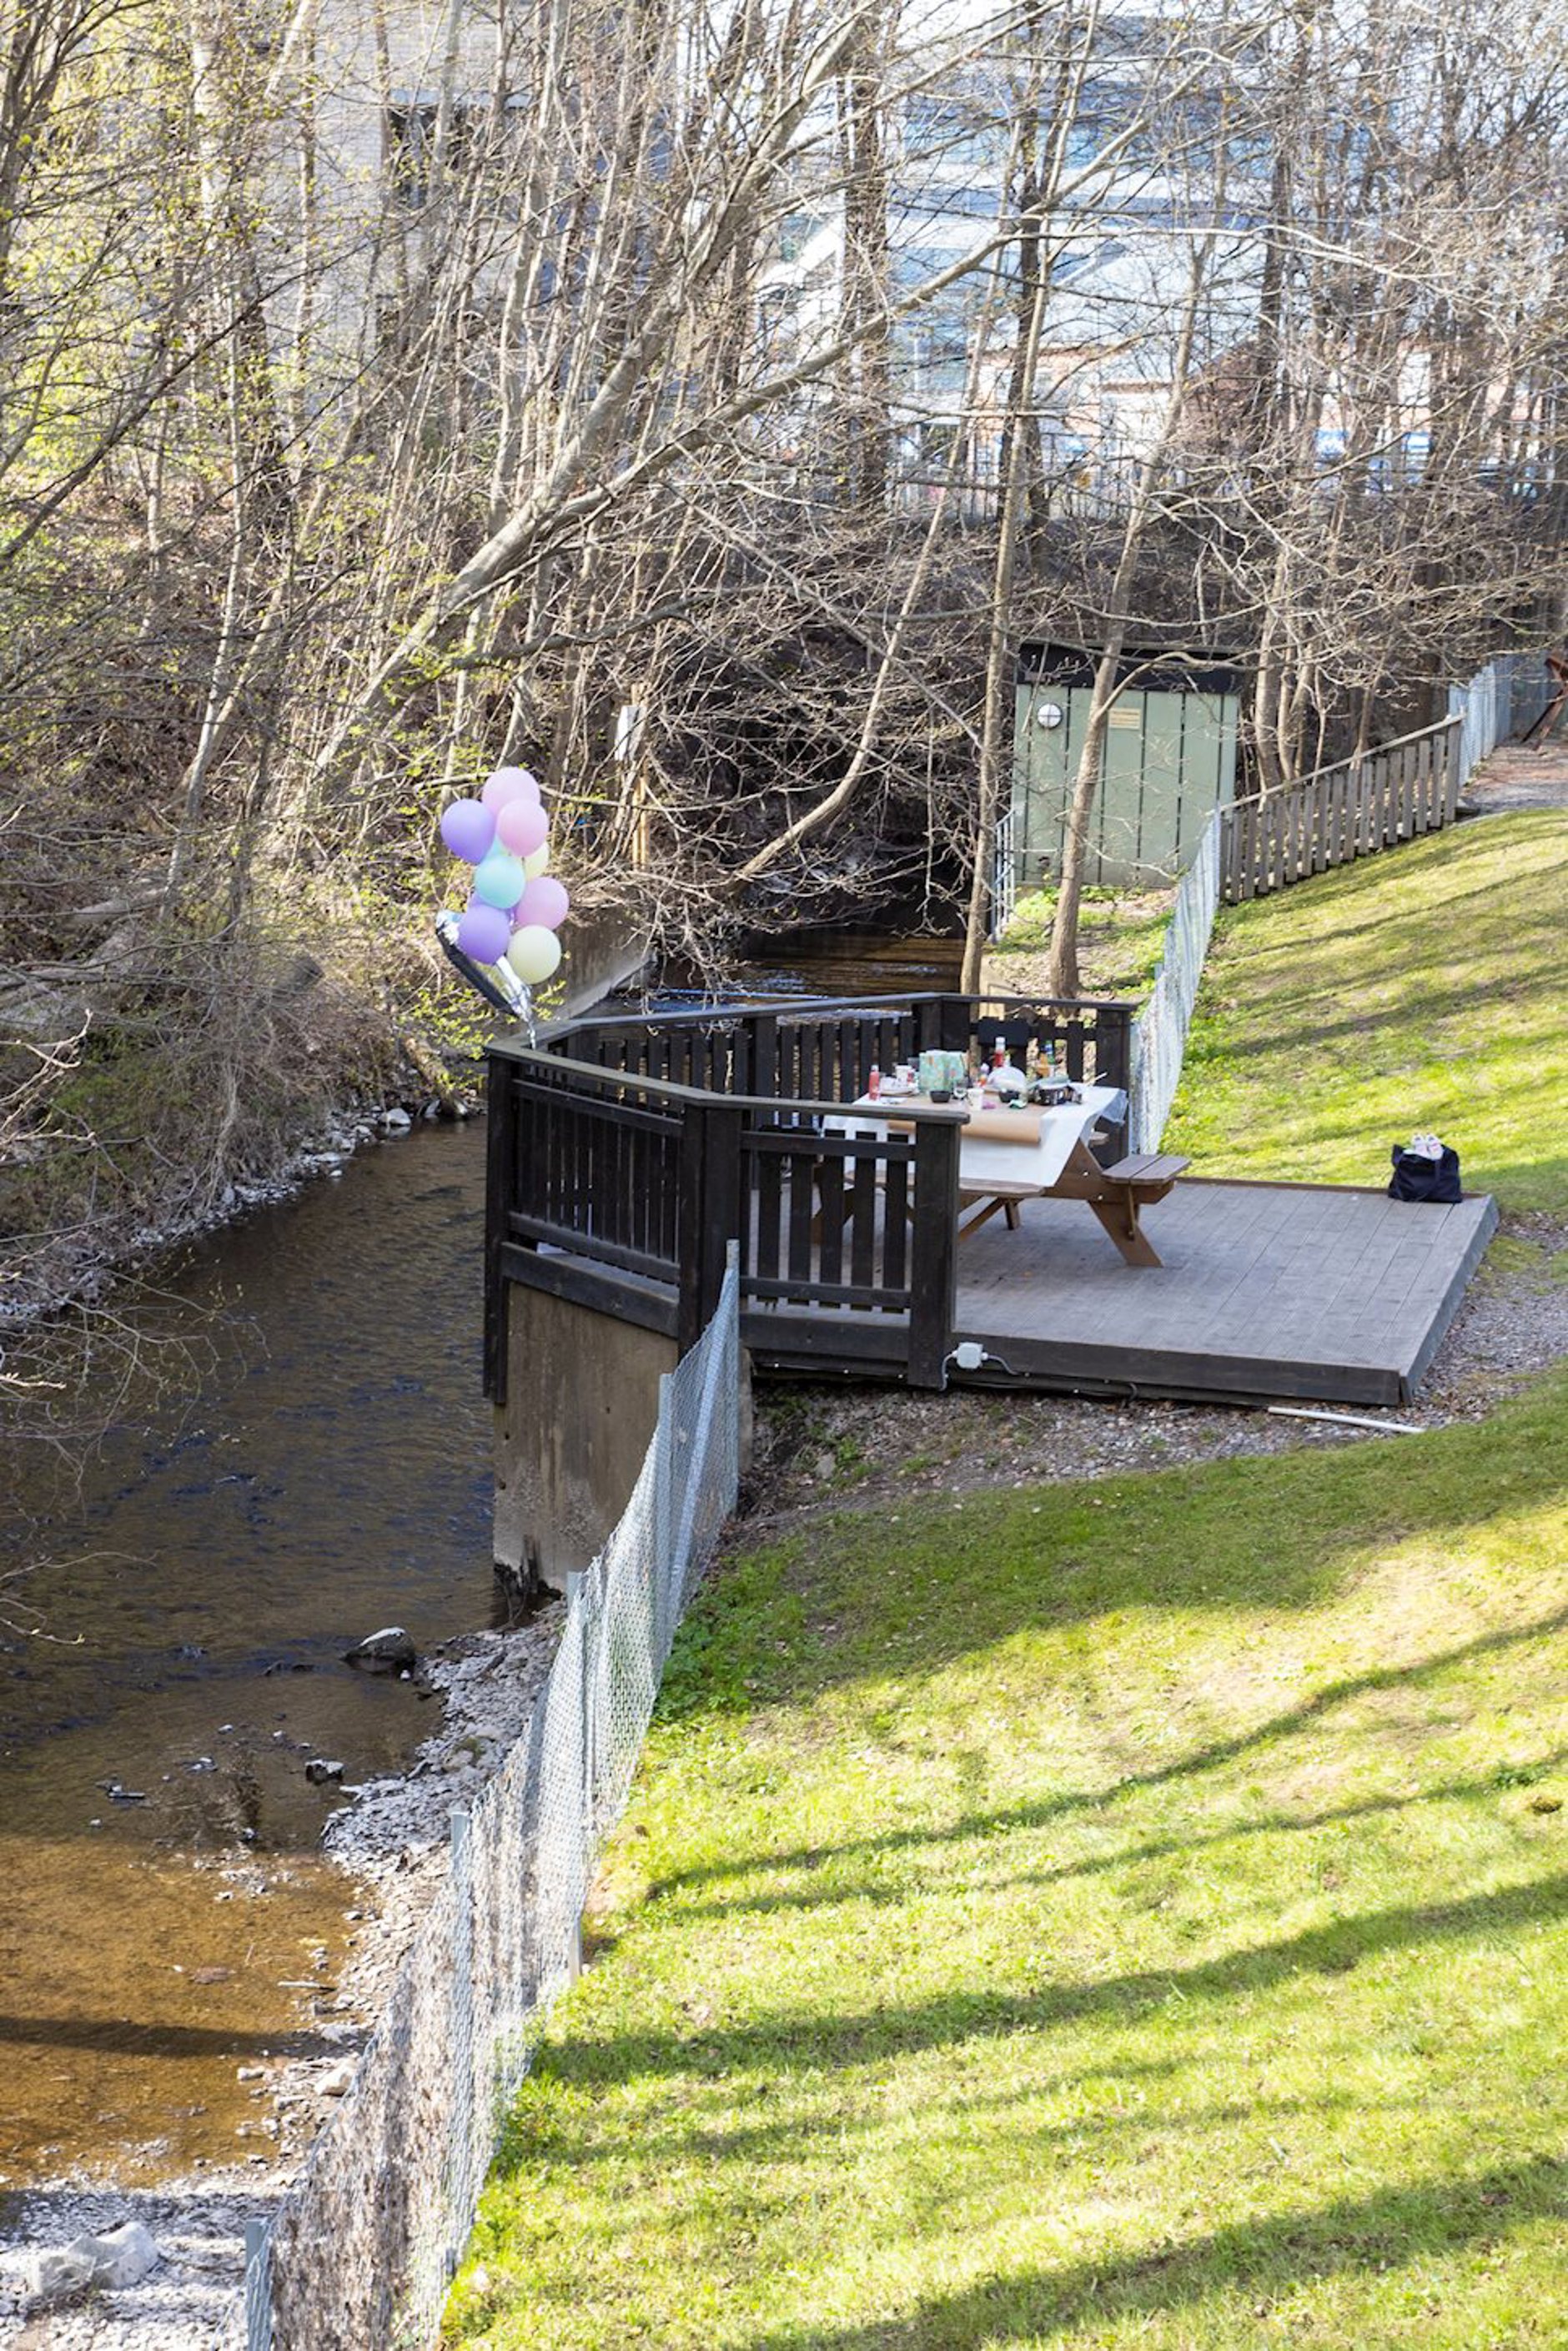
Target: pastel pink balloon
[[510, 784], [545, 902], [522, 825]]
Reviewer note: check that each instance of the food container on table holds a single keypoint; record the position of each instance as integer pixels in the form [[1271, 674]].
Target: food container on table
[[941, 1073]]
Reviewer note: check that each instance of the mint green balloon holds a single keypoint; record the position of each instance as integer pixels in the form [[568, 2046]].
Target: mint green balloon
[[500, 880]]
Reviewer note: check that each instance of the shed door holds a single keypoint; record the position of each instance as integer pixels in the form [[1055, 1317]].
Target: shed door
[[1169, 760]]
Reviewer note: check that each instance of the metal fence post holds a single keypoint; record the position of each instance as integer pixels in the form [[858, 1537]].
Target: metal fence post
[[730, 1301], [460, 2182], [259, 2285], [577, 1604], [665, 1511], [708, 1408]]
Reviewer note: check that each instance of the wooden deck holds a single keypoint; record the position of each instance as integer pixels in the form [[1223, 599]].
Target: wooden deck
[[622, 1187], [1267, 1291]]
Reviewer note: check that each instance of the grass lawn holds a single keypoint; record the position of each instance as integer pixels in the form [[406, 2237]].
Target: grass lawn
[[1120, 938], [1420, 990], [1118, 1914]]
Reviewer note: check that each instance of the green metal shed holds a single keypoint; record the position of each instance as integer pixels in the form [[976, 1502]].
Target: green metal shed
[[1170, 760]]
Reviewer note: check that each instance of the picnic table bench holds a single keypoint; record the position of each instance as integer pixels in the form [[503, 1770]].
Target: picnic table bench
[[1117, 1195], [1010, 1156]]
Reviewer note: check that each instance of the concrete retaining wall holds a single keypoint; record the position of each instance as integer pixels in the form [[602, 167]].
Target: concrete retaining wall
[[582, 1398]]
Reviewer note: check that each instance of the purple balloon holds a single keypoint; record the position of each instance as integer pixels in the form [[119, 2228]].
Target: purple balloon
[[468, 829], [484, 932], [509, 784], [544, 901]]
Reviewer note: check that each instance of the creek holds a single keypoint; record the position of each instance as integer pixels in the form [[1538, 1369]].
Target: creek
[[193, 1590], [172, 1652]]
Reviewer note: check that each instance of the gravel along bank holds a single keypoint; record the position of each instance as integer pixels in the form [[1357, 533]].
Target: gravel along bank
[[391, 1842]]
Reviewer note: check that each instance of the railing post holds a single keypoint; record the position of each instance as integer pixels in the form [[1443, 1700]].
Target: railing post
[[764, 1053], [1113, 1065], [712, 1199], [955, 1020], [934, 1274], [500, 1183], [1452, 764], [689, 1228]]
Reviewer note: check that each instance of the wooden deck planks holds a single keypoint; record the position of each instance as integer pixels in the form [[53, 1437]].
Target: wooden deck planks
[[1267, 1290]]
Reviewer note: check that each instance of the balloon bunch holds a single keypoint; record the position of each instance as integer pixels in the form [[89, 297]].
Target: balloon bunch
[[516, 906]]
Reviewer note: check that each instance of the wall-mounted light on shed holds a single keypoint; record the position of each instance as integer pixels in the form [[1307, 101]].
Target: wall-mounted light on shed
[[1049, 714]]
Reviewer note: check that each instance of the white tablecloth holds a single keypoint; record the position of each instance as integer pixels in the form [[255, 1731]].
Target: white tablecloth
[[982, 1166]]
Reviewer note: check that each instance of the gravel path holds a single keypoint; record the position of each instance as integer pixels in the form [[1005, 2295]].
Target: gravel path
[[1518, 775]]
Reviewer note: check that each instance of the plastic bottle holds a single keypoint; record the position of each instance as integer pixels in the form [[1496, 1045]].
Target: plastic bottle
[[873, 1084]]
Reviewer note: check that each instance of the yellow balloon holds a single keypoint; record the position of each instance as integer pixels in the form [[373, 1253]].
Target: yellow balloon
[[533, 953], [539, 863]]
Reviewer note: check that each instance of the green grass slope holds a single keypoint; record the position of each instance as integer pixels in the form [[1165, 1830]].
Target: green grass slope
[[1117, 1914], [1420, 990]]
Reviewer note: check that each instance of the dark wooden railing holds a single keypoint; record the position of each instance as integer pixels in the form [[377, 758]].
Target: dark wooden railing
[[1340, 813], [627, 1154], [824, 1048]]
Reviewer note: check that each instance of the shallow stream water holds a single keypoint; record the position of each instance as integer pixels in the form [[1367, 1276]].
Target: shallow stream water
[[326, 1473]]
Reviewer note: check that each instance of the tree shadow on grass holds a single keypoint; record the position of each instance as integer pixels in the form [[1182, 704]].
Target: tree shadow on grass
[[1276, 2255], [1098, 1864], [875, 1602], [1341, 1036], [797, 2139], [536, 2132], [811, 2040], [1037, 1814]]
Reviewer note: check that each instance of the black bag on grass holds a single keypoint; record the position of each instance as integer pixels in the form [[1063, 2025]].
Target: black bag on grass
[[1416, 1177]]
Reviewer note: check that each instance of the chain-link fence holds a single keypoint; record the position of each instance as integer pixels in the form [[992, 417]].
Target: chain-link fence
[[1483, 707], [1501, 701], [1159, 1032], [361, 2251]]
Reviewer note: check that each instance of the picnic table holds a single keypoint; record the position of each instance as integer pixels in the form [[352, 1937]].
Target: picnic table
[[1009, 1156]]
